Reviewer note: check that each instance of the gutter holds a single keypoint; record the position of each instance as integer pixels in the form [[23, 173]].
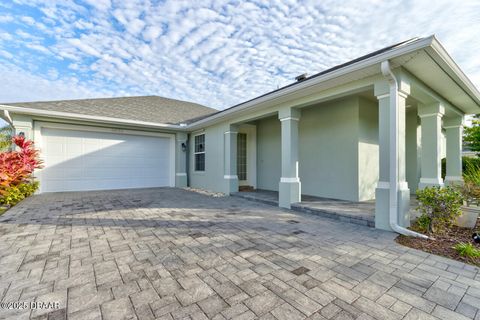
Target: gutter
[[394, 154]]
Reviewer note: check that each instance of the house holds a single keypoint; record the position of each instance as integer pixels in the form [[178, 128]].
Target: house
[[368, 129]]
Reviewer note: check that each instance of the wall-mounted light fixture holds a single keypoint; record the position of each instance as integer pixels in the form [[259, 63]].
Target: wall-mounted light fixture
[[184, 146]]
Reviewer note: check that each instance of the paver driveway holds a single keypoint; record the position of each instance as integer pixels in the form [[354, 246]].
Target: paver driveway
[[170, 253]]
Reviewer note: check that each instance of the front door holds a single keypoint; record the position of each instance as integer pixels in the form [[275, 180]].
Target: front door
[[247, 156], [242, 159]]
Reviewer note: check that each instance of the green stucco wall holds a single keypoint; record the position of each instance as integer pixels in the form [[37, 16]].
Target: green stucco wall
[[368, 150], [338, 150], [212, 177], [269, 164], [328, 149]]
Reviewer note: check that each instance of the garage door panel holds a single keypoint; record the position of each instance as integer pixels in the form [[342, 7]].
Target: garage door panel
[[77, 160]]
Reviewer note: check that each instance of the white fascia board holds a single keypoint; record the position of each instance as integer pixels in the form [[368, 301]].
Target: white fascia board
[[76, 116], [407, 48]]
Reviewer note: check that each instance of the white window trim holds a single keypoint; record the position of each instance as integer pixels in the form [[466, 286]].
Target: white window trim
[[202, 152]]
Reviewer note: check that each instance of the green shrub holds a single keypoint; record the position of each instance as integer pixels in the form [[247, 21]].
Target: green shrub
[[465, 162], [470, 192], [28, 188], [423, 223], [470, 189], [467, 250], [14, 194], [471, 173], [6, 134], [441, 205]]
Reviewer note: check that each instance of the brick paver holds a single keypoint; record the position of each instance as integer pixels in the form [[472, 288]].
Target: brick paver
[[174, 254]]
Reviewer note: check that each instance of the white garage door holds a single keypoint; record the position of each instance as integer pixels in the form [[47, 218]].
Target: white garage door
[[78, 160]]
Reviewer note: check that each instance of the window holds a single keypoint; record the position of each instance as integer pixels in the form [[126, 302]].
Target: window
[[200, 152], [242, 156]]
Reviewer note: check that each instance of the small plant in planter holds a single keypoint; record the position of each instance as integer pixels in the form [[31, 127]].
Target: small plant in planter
[[440, 208]]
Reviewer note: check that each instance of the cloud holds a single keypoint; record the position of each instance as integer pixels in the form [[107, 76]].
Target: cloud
[[84, 47], [101, 5], [28, 20], [4, 19], [38, 88], [217, 53], [6, 54], [37, 47]]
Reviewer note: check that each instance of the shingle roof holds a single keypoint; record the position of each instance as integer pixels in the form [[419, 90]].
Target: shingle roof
[[146, 108]]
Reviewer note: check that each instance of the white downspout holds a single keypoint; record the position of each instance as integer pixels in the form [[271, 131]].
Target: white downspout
[[6, 116], [394, 154]]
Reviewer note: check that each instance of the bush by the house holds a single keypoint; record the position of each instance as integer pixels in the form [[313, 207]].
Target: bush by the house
[[466, 161], [470, 189], [439, 206], [14, 194], [16, 169], [6, 134]]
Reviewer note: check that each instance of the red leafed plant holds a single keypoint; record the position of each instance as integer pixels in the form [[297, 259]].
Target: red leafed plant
[[16, 167]]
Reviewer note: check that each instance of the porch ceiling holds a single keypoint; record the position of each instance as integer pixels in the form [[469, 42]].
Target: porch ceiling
[[425, 68]]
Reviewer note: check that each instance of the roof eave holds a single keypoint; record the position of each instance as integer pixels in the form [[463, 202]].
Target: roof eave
[[442, 57], [88, 118], [257, 102]]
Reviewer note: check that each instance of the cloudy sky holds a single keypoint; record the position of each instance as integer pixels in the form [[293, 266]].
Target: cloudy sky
[[217, 53]]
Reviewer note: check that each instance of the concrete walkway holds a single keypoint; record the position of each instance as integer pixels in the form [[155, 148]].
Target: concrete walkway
[[174, 254]]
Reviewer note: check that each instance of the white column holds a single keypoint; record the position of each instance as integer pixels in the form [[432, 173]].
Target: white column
[[387, 160], [23, 124], [230, 160], [431, 162], [289, 190], [454, 130]]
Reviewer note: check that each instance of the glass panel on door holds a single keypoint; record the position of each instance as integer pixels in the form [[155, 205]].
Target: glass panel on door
[[242, 156]]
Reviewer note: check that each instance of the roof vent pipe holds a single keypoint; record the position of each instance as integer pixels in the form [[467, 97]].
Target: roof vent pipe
[[394, 153], [301, 77]]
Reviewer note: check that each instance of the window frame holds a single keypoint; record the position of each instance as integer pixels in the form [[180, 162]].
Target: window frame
[[195, 152]]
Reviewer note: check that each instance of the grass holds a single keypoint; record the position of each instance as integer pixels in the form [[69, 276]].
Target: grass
[[467, 250]]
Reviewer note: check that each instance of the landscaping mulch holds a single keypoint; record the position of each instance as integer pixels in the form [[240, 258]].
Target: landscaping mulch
[[443, 243]]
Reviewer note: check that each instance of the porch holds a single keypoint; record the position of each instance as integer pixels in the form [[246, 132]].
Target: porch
[[361, 212], [345, 148]]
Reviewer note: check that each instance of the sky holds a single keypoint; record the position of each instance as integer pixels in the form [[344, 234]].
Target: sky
[[217, 53]]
